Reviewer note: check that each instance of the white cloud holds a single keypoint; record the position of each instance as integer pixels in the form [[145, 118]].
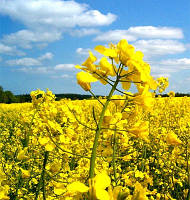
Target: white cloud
[[94, 18], [115, 35], [84, 32], [181, 63], [64, 67], [63, 76], [188, 46], [30, 61], [41, 45], [169, 66], [10, 50], [66, 76], [47, 20], [156, 32], [85, 53], [35, 70], [162, 69], [159, 47], [82, 51], [25, 38], [139, 32], [46, 56], [54, 14], [24, 62], [161, 75]]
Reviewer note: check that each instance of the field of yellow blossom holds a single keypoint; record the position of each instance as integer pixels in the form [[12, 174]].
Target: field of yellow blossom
[[46, 146], [121, 147]]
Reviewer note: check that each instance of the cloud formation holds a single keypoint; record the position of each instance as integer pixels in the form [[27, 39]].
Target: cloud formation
[[25, 38], [64, 67], [24, 62], [169, 66], [54, 13], [84, 32], [115, 36], [181, 63], [47, 20], [35, 70], [10, 50], [82, 51], [140, 32], [46, 56], [159, 47], [156, 32], [30, 61]]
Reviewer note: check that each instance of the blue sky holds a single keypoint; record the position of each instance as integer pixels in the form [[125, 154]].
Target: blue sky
[[42, 40]]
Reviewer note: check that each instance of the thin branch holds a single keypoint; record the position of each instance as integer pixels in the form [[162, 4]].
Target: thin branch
[[131, 81], [105, 79], [94, 116], [113, 65], [96, 97], [65, 151], [113, 156], [128, 74], [42, 178], [118, 73], [79, 120]]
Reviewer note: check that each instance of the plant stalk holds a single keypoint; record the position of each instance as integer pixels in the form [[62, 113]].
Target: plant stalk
[[98, 130], [41, 182]]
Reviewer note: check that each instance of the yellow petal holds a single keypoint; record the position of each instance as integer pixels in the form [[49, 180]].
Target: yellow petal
[[140, 192], [89, 62], [43, 140], [106, 51], [77, 187], [25, 173], [172, 139], [49, 147], [102, 194], [102, 180], [85, 77], [59, 191], [107, 67], [126, 85]]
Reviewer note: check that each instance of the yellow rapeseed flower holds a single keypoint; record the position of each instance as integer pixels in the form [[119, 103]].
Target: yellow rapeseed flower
[[84, 79], [172, 139], [110, 52]]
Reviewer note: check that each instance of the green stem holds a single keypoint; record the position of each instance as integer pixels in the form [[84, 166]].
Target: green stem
[[188, 174], [43, 174], [113, 158], [27, 135], [18, 184], [143, 157], [98, 130], [42, 178]]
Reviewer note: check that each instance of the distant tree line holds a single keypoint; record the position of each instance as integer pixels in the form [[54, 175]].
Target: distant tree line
[[8, 97], [177, 94]]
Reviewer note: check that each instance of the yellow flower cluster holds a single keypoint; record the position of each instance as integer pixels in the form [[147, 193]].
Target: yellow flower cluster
[[132, 68]]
